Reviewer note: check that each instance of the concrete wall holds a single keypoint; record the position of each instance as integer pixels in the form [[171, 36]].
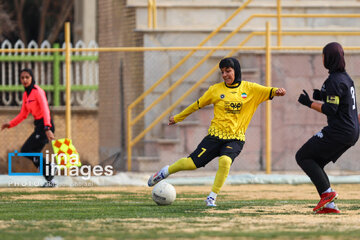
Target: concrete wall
[[187, 23], [85, 27], [199, 15], [292, 123]]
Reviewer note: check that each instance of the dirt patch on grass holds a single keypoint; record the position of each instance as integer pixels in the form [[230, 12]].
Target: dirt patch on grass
[[79, 189], [233, 192], [60, 196], [290, 212], [272, 191]]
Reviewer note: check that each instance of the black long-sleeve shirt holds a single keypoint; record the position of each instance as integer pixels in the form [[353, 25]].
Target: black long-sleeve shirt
[[340, 108]]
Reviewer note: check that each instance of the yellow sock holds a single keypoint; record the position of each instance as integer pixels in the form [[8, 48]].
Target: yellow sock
[[222, 173], [182, 164]]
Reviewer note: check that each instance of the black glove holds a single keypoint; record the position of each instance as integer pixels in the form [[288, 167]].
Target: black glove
[[304, 99], [317, 95]]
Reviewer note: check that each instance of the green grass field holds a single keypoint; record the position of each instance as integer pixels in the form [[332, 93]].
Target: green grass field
[[243, 212]]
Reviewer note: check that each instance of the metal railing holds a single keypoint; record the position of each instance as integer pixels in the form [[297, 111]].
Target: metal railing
[[47, 68], [152, 14], [268, 48], [67, 50], [131, 122]]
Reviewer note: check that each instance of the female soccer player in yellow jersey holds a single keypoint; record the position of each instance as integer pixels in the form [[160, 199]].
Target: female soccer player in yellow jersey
[[235, 102]]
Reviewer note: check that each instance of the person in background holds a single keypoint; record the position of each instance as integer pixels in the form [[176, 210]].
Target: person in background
[[338, 103], [235, 101], [34, 101]]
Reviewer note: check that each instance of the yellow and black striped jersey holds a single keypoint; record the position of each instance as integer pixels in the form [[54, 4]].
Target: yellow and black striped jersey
[[233, 107]]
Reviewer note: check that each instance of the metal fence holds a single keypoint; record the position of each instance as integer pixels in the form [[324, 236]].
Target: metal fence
[[49, 73]]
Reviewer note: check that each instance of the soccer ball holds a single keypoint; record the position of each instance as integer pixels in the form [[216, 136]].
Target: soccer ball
[[163, 193]]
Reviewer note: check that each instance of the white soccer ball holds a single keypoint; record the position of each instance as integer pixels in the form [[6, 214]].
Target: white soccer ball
[[164, 193]]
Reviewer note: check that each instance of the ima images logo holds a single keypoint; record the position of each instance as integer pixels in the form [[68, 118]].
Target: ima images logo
[[73, 169]]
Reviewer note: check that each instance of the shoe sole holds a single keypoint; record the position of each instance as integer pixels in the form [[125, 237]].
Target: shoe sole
[[149, 183], [321, 208], [54, 186], [333, 211], [319, 212], [210, 205]]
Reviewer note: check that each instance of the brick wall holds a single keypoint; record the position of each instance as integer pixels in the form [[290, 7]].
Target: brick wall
[[84, 134], [121, 75]]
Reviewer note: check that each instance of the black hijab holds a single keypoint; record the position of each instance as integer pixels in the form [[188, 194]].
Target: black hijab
[[31, 86], [234, 64], [334, 59]]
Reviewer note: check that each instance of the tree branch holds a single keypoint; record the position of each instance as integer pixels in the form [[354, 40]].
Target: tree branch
[[42, 24], [6, 24], [19, 6], [65, 11]]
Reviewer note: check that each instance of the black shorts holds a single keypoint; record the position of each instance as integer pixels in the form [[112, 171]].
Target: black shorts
[[211, 147], [322, 149], [38, 139]]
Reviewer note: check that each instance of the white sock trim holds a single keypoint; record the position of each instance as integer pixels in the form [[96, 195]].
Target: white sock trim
[[331, 205], [328, 190], [165, 170], [213, 195]]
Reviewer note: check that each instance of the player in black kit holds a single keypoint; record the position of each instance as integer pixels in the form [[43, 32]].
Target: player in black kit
[[339, 105]]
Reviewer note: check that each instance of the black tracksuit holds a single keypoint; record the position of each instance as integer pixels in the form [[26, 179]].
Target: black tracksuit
[[342, 132], [36, 142]]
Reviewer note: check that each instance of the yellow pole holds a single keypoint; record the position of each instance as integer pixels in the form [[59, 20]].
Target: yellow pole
[[129, 145], [279, 23], [213, 33], [268, 103], [154, 14], [149, 13], [196, 85], [68, 84]]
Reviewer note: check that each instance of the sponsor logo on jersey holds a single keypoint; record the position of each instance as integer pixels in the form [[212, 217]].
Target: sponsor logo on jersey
[[233, 107], [244, 95]]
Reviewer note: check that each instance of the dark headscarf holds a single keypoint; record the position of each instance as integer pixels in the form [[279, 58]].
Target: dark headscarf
[[31, 86], [234, 64], [334, 59]]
